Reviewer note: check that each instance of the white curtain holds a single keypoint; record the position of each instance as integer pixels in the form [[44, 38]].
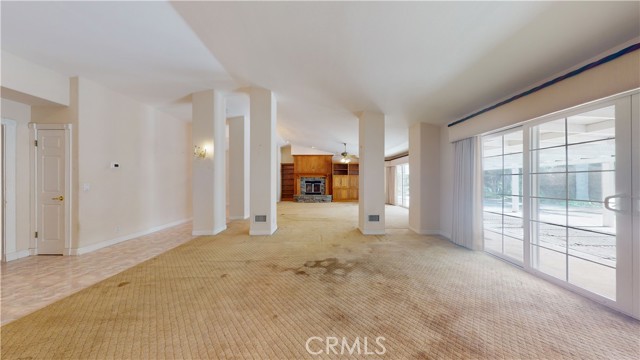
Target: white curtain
[[391, 185], [467, 194]]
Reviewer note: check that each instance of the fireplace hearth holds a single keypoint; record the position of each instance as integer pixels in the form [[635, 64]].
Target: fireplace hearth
[[313, 189]]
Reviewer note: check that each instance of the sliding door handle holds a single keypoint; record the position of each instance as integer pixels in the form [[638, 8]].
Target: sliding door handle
[[607, 202]]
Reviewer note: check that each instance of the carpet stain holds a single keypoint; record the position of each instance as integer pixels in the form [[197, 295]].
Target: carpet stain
[[224, 276], [124, 283]]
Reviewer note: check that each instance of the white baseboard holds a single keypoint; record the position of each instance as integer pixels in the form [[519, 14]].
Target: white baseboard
[[16, 255], [263, 232], [215, 231], [238, 217], [373, 232], [445, 235], [105, 243], [425, 232]]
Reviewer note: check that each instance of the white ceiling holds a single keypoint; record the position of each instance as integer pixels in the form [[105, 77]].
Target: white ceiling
[[415, 61]]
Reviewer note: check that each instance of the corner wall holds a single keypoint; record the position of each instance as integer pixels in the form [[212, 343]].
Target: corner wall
[[152, 187], [21, 114]]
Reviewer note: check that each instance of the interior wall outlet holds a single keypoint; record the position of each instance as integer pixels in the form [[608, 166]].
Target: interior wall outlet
[[86, 187]]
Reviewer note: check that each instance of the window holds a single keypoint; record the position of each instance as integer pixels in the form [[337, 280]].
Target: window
[[558, 198], [502, 194], [402, 185]]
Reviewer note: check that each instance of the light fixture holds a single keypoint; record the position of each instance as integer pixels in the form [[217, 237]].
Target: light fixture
[[199, 152], [346, 158]]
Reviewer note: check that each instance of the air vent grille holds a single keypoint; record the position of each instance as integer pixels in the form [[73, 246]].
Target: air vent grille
[[374, 218], [261, 218]]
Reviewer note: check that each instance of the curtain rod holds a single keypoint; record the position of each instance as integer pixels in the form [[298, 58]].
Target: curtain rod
[[570, 74]]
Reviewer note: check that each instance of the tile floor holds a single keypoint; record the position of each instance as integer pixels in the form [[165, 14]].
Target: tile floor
[[34, 282]]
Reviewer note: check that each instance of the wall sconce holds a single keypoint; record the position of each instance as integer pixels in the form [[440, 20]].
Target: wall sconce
[[199, 152]]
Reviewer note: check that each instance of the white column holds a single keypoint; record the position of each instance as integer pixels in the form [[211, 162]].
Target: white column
[[424, 179], [371, 179], [209, 188], [264, 162], [239, 168]]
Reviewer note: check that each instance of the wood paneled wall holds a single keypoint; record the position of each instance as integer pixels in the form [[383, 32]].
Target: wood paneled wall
[[310, 166]]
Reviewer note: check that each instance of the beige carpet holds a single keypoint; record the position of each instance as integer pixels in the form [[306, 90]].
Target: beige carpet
[[235, 296]]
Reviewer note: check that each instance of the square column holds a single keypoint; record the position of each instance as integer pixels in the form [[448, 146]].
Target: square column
[[209, 172], [264, 163], [371, 219], [239, 169], [424, 179]]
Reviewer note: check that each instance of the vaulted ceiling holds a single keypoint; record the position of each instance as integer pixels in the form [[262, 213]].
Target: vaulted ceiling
[[415, 61]]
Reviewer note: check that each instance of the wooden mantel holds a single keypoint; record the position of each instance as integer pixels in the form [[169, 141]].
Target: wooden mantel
[[312, 166]]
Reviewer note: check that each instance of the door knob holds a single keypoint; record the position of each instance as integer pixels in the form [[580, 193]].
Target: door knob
[[60, 198]]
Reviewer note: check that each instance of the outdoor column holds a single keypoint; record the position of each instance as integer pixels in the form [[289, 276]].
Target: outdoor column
[[209, 188], [371, 179], [264, 162], [239, 168], [424, 179]]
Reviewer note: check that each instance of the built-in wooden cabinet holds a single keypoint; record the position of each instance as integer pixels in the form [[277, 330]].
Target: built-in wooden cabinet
[[345, 182], [288, 186]]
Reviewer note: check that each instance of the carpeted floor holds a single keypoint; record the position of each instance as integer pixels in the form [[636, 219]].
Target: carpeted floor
[[235, 296]]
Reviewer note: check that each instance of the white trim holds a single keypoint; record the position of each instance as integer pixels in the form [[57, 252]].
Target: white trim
[[373, 232], [426, 231], [215, 231], [9, 212], [106, 243], [238, 217], [267, 232], [17, 255], [50, 126]]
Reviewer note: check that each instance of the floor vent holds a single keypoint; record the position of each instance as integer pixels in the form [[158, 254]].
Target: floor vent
[[374, 218], [261, 218]]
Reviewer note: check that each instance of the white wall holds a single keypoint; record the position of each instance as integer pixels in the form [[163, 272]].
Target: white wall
[[303, 150], [152, 186], [27, 82], [21, 114], [285, 155], [424, 179]]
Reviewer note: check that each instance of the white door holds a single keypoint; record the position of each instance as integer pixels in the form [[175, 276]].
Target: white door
[[50, 185]]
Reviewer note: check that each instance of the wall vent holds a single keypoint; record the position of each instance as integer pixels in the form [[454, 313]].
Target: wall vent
[[374, 218], [261, 218]]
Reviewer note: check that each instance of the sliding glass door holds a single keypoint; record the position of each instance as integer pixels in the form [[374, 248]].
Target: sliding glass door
[[559, 198], [503, 197], [402, 185]]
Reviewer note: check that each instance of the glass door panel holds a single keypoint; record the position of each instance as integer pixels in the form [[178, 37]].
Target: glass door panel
[[574, 225], [503, 195]]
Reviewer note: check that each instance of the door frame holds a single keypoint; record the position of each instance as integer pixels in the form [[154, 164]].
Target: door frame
[[629, 309], [9, 183], [33, 156]]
